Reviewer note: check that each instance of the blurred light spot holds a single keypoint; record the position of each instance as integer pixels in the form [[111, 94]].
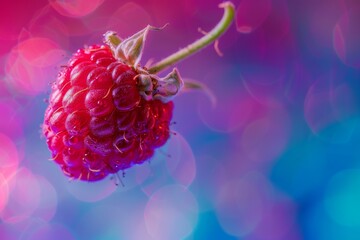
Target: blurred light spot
[[47, 24], [233, 108], [24, 197], [7, 232], [75, 8], [32, 65], [210, 176], [12, 124], [29, 226], [154, 175], [342, 198], [113, 212], [278, 221], [239, 206], [4, 192], [9, 158], [346, 38], [264, 84], [181, 162], [309, 157], [339, 42], [298, 88], [251, 14], [174, 162], [277, 25], [319, 39], [318, 224], [94, 191], [128, 17], [53, 231], [230, 113], [331, 110], [132, 226], [265, 138], [171, 213], [48, 200], [40, 52], [264, 72], [21, 77], [143, 173], [122, 218], [4, 91]]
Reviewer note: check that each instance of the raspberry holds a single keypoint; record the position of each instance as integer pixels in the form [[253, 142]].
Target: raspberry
[[106, 112], [97, 122]]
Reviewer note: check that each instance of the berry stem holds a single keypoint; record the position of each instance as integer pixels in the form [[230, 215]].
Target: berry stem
[[215, 33]]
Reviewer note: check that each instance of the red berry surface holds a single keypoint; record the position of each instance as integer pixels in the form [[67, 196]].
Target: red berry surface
[[97, 122]]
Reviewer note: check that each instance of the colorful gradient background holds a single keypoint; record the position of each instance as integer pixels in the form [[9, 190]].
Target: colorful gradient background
[[277, 157]]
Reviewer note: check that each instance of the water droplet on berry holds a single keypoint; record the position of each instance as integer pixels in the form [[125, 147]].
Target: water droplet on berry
[[73, 140], [99, 102], [104, 61], [77, 123], [70, 151]]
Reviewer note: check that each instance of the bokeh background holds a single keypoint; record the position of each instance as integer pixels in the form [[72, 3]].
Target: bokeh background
[[277, 157]]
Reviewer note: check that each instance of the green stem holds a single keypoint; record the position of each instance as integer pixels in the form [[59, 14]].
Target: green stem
[[215, 33]]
